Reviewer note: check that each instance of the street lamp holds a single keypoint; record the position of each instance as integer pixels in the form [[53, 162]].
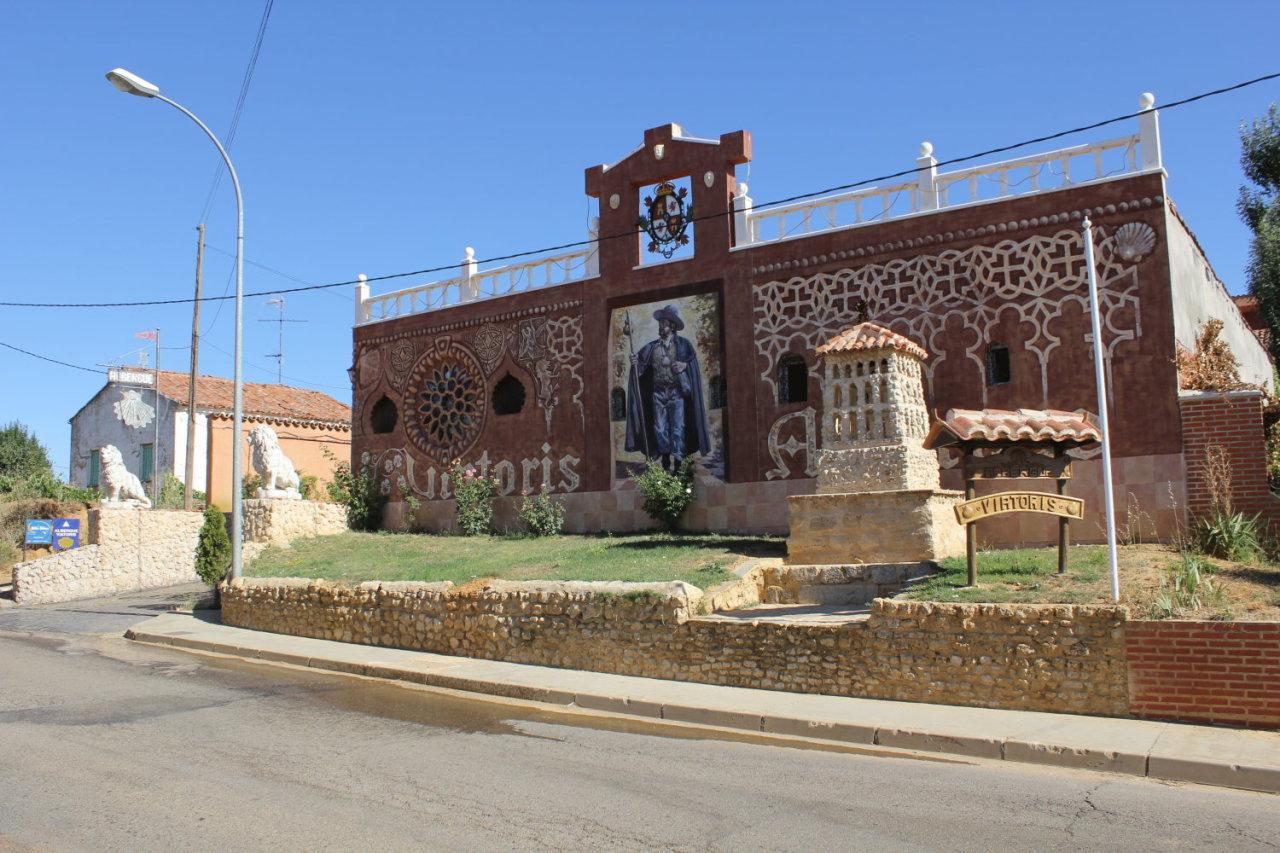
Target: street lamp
[[132, 84]]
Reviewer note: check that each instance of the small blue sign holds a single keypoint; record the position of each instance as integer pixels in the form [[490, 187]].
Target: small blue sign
[[39, 531], [66, 534]]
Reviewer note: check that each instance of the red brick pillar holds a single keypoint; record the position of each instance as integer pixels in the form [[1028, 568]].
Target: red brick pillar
[[1234, 421]]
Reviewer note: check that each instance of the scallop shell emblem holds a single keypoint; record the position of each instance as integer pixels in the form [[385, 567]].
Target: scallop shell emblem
[[1134, 241]]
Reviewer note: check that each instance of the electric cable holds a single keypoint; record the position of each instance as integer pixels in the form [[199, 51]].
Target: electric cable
[[631, 234]]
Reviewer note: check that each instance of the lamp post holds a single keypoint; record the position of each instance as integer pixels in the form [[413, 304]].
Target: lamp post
[[132, 84]]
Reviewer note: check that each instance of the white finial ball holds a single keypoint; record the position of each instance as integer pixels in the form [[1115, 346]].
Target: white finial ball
[[926, 149], [1146, 101], [362, 278], [742, 190], [471, 253]]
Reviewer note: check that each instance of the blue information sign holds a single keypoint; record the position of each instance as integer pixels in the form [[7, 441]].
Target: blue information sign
[[39, 531], [66, 534]]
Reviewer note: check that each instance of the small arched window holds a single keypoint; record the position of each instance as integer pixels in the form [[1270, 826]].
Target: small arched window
[[998, 372], [793, 380], [508, 396], [617, 405], [383, 416]]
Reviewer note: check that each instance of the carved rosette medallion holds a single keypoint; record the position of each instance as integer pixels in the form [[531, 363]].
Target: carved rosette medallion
[[445, 401]]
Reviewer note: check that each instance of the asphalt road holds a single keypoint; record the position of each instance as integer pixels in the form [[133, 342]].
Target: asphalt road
[[105, 744]]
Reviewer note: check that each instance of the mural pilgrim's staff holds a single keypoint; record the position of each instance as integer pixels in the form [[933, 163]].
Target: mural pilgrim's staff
[[666, 412]]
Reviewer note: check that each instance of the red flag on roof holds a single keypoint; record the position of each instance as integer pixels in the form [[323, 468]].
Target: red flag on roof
[[146, 336]]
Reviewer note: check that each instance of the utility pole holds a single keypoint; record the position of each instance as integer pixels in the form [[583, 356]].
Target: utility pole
[[155, 447], [278, 355], [195, 366]]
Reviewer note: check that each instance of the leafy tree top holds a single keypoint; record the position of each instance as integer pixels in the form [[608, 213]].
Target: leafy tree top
[[21, 453]]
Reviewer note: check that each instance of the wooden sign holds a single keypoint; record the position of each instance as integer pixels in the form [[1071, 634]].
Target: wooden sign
[[997, 504], [1019, 463]]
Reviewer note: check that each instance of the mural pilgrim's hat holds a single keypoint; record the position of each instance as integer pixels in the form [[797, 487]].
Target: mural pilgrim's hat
[[669, 313]]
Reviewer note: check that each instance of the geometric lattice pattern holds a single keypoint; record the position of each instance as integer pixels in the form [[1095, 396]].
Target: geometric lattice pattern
[[1037, 277]]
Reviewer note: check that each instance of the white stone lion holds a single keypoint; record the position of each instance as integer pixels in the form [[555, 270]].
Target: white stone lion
[[279, 479], [119, 487]]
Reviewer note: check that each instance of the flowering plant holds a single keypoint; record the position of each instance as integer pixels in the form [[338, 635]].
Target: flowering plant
[[473, 498], [666, 495], [542, 514]]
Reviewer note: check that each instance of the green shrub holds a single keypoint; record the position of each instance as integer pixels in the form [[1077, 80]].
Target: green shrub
[[358, 493], [213, 551], [1229, 536], [307, 486], [42, 484], [666, 495], [1187, 586], [541, 514], [172, 490], [21, 453], [473, 500]]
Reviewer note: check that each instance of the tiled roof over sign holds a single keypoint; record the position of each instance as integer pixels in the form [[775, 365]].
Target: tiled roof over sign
[[869, 336], [214, 393], [1053, 425]]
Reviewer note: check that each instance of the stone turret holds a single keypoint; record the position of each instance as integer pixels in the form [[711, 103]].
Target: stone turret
[[875, 418], [878, 497]]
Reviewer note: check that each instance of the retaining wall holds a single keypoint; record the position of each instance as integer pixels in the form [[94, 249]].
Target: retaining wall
[[129, 549], [1032, 657], [1213, 672]]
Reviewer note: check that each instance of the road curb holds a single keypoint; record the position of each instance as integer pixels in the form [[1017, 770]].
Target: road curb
[[1155, 764]]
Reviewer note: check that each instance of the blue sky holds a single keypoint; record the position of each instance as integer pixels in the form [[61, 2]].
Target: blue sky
[[380, 137]]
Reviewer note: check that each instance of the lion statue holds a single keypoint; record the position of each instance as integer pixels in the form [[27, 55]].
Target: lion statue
[[279, 479], [119, 487]]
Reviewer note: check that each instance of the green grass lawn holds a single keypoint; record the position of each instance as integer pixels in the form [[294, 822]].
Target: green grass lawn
[[701, 560], [1022, 575]]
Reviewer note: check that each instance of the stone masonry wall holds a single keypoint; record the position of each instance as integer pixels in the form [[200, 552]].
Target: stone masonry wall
[[129, 549], [274, 521], [1034, 657]]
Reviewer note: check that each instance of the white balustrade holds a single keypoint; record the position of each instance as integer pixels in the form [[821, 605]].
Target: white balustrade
[[473, 284]]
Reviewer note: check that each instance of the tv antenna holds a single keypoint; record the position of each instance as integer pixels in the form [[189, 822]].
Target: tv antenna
[[278, 303]]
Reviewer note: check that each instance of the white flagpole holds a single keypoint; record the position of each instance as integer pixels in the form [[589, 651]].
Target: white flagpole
[[1109, 501]]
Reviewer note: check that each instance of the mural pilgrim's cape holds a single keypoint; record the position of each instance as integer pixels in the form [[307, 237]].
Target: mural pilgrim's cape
[[668, 420]]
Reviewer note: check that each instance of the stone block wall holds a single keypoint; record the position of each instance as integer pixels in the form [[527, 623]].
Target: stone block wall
[[274, 521], [1234, 422], [874, 527], [1211, 672], [1050, 658], [129, 549]]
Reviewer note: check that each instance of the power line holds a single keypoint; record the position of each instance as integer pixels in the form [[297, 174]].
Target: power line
[[631, 234], [230, 138], [48, 359]]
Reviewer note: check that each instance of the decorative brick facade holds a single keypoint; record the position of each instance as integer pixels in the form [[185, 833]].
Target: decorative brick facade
[[1232, 421], [1210, 672]]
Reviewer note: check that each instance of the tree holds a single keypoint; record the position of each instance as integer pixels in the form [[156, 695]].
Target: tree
[[1259, 206], [21, 454], [213, 551]]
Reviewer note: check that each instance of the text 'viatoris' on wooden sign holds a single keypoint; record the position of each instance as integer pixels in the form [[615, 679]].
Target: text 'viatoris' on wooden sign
[[1050, 504]]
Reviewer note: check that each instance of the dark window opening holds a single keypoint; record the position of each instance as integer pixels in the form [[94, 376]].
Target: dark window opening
[[508, 396], [718, 392], [617, 405], [383, 416], [997, 364], [793, 380]]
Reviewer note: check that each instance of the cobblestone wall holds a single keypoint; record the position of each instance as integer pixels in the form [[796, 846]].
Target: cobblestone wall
[[1053, 658], [129, 549]]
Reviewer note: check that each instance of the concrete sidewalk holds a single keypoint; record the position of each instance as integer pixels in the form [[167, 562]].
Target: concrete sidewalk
[[1202, 754]]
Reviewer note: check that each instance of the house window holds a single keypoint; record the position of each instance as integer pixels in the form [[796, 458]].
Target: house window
[[95, 467], [383, 415], [997, 364], [508, 396], [147, 465], [793, 380]]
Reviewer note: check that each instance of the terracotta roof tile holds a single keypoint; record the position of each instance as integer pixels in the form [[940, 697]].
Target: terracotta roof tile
[[869, 336], [264, 400], [1022, 425]]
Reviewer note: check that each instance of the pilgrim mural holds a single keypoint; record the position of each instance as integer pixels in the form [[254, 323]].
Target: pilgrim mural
[[666, 396]]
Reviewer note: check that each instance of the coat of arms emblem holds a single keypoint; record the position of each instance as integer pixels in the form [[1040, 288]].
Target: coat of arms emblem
[[667, 219]]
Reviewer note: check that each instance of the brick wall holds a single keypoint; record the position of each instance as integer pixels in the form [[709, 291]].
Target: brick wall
[[1214, 672], [1233, 420]]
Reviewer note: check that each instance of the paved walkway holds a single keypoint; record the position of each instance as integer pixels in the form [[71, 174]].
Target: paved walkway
[[1202, 754]]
